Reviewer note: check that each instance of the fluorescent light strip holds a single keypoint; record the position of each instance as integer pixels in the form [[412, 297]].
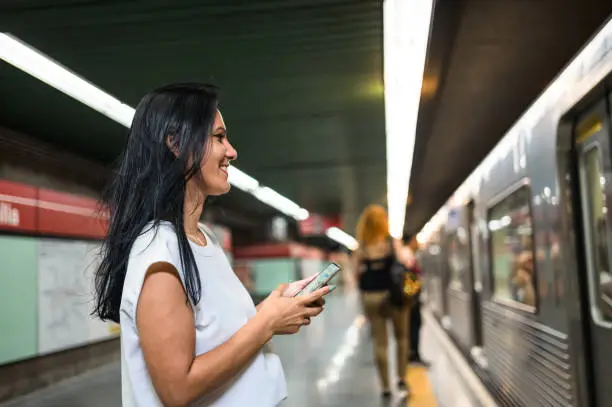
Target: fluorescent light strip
[[273, 198], [23, 57], [406, 33], [40, 66], [342, 237], [241, 180]]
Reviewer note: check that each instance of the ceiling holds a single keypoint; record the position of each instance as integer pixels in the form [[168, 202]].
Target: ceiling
[[301, 85], [302, 90], [488, 61]]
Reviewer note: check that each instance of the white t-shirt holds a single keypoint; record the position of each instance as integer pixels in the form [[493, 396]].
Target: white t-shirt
[[225, 306]]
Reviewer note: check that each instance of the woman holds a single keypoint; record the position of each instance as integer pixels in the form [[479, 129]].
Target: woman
[[376, 254], [189, 330]]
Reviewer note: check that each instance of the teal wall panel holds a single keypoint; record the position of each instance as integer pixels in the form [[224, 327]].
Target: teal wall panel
[[18, 298], [269, 273]]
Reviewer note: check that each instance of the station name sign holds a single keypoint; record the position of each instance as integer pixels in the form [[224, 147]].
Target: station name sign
[[9, 216], [29, 209]]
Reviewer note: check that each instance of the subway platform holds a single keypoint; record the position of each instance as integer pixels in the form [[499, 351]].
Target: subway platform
[[328, 364]]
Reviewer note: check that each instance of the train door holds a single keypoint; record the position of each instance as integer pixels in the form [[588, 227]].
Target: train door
[[595, 176], [474, 245]]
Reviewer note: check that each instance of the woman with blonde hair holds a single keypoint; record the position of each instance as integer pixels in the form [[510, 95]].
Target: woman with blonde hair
[[374, 258]]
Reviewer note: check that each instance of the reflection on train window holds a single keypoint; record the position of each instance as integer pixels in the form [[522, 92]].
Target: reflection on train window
[[597, 218], [512, 251], [458, 260]]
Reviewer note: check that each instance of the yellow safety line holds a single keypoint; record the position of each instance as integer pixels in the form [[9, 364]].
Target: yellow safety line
[[421, 392]]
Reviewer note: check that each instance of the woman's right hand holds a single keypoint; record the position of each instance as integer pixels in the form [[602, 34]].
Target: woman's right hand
[[286, 315]]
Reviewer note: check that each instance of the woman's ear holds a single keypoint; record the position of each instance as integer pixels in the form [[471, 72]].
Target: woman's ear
[[172, 145]]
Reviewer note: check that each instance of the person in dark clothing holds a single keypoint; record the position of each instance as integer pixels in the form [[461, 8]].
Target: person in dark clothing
[[415, 333], [415, 321]]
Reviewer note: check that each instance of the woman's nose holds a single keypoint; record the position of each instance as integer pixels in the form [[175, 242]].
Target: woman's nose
[[231, 152]]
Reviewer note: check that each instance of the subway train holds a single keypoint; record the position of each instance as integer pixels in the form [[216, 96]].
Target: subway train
[[517, 261]]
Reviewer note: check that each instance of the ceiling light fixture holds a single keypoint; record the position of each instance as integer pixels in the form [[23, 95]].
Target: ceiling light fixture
[[242, 180], [31, 61], [406, 33], [283, 204], [40, 66], [342, 237]]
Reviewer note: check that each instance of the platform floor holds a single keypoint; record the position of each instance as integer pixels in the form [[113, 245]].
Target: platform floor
[[328, 364]]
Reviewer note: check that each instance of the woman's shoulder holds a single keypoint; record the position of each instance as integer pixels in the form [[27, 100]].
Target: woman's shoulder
[[156, 241], [162, 231]]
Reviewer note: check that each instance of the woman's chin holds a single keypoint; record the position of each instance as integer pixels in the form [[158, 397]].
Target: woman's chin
[[220, 189]]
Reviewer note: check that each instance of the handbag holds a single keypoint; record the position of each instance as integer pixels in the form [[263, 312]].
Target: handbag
[[405, 284]]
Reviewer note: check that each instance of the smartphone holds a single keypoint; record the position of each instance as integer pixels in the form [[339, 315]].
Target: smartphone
[[321, 279]]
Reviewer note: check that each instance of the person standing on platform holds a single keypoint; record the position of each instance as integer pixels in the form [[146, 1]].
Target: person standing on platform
[[190, 333], [415, 319], [372, 261]]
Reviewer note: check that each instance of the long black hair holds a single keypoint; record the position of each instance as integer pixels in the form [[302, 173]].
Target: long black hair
[[150, 182]]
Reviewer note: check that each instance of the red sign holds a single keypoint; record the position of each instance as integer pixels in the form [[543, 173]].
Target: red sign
[[69, 215], [18, 205], [278, 250], [266, 250], [317, 224], [29, 209]]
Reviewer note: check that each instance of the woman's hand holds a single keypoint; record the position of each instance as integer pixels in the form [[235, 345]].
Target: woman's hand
[[295, 287], [286, 315]]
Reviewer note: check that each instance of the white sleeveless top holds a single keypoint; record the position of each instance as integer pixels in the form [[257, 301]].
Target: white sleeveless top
[[225, 306]]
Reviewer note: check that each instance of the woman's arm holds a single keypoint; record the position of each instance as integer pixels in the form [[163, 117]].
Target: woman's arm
[[404, 253], [165, 325]]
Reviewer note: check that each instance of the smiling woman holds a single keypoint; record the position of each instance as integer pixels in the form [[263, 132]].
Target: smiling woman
[[189, 329]]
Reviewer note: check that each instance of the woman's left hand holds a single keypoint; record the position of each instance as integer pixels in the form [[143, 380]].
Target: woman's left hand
[[296, 286]]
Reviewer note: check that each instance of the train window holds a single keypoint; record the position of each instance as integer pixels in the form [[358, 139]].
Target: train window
[[595, 181], [510, 227]]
